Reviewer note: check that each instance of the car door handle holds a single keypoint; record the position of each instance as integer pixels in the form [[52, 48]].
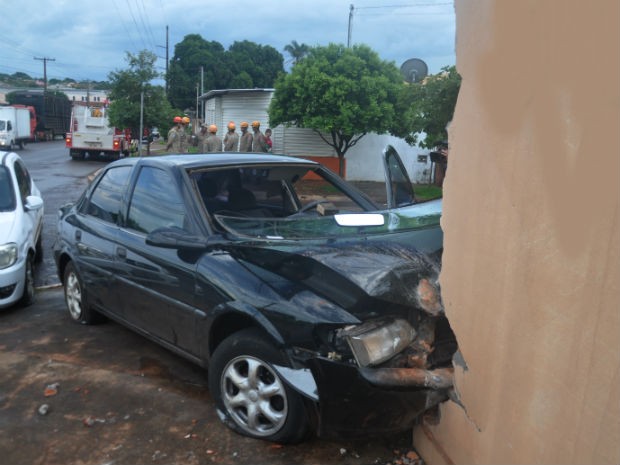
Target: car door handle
[[121, 252], [78, 235]]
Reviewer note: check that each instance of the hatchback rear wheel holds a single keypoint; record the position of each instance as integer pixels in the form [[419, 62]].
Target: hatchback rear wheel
[[79, 311]]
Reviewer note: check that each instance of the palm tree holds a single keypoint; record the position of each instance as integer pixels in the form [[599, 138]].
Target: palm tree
[[297, 51]]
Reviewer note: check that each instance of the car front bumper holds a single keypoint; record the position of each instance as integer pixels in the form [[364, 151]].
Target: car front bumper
[[355, 402], [12, 281]]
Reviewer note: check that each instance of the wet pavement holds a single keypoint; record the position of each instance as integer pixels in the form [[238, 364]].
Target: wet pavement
[[91, 395]]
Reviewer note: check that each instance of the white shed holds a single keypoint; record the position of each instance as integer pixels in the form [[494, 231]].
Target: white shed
[[363, 161]]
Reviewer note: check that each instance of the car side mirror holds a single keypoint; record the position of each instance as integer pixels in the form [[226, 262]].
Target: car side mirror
[[33, 202]]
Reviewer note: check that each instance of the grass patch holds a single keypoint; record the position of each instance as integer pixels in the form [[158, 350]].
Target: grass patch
[[427, 192]]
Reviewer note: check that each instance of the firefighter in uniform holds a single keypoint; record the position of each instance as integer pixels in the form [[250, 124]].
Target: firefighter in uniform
[[231, 139], [186, 134], [175, 135], [201, 138], [245, 144], [213, 143], [259, 144]]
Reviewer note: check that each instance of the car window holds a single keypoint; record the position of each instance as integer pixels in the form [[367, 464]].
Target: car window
[[156, 202], [23, 180], [105, 201], [400, 189], [276, 191], [7, 198]]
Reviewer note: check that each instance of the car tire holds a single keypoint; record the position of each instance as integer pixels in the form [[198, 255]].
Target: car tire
[[256, 402], [75, 298], [28, 296]]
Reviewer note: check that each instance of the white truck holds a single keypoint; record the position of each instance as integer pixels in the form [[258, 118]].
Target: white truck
[[90, 134], [14, 127]]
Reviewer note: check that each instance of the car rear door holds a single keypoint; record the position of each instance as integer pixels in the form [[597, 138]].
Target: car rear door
[[94, 234]]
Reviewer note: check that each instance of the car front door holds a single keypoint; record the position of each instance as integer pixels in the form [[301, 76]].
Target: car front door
[[157, 285], [398, 185]]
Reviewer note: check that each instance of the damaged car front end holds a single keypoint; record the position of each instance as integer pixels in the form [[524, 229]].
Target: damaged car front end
[[374, 349]]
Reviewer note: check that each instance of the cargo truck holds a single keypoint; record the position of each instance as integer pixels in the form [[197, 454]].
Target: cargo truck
[[53, 111], [91, 134], [14, 127]]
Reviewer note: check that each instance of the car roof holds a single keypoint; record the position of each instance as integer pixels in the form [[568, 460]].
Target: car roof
[[189, 161]]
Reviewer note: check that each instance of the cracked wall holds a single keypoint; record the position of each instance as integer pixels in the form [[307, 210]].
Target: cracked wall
[[530, 278]]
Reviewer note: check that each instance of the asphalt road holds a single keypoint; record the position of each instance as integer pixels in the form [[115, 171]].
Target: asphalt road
[[93, 395]]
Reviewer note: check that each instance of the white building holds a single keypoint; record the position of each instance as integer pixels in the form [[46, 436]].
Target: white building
[[363, 161]]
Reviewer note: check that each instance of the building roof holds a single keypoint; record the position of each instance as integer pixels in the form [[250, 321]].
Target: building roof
[[217, 92]]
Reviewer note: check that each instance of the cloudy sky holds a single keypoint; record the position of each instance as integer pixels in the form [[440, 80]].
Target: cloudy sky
[[87, 39]]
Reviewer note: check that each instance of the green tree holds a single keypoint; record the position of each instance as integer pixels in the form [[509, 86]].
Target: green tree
[[341, 93], [244, 65], [126, 87], [427, 108], [242, 81], [262, 63], [184, 73], [296, 51]]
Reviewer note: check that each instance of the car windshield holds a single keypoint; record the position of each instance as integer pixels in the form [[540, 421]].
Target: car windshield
[[327, 227], [297, 202], [7, 196]]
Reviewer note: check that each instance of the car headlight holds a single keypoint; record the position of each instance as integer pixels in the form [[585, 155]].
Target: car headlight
[[8, 255], [376, 341]]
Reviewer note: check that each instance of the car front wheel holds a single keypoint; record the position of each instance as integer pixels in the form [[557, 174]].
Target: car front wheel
[[79, 311], [28, 296], [250, 392]]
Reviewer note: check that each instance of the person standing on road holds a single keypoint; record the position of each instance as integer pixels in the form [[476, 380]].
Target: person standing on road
[[231, 139], [213, 143], [268, 139], [175, 135], [259, 144], [245, 144], [201, 139], [186, 134]]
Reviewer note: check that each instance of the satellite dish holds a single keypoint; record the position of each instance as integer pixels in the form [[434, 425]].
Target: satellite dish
[[414, 70]]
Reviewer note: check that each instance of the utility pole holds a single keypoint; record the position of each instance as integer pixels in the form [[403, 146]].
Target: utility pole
[[141, 122], [45, 60], [351, 8], [166, 47], [202, 89]]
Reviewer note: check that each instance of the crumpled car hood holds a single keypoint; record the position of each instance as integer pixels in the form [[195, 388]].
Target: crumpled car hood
[[349, 273]]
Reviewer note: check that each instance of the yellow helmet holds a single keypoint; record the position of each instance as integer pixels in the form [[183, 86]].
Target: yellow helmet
[[255, 124], [231, 125], [244, 124], [213, 128], [185, 120]]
